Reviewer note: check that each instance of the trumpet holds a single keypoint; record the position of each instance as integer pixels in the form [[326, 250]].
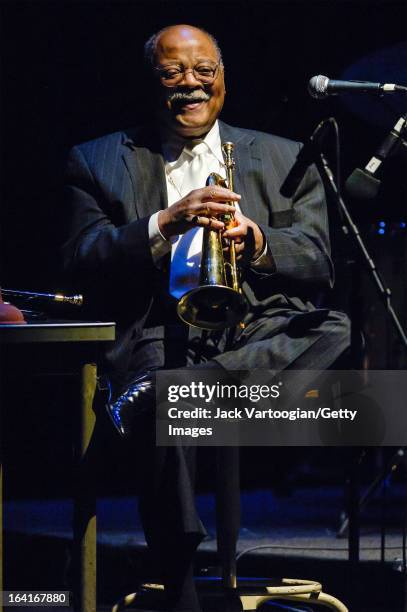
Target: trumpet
[[218, 302]]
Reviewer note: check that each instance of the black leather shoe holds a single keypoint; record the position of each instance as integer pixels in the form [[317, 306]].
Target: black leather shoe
[[137, 399]]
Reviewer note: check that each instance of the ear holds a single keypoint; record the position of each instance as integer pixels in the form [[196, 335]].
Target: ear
[[222, 67]]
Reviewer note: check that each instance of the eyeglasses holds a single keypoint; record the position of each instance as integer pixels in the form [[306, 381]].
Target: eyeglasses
[[204, 72]]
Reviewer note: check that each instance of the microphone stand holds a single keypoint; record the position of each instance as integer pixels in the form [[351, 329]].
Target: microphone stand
[[350, 522], [351, 230]]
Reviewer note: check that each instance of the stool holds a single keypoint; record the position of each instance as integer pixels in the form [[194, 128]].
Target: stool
[[237, 595], [248, 596]]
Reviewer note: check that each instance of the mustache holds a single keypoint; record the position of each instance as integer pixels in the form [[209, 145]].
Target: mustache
[[180, 96]]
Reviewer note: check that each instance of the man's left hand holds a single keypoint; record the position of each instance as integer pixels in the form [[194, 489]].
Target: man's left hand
[[249, 239]]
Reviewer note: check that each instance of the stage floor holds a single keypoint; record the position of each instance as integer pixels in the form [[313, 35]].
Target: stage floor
[[296, 535]]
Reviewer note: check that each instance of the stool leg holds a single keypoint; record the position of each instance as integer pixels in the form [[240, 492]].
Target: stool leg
[[84, 523], [228, 511]]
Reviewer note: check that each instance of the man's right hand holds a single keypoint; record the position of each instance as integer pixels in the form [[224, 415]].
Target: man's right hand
[[200, 207]]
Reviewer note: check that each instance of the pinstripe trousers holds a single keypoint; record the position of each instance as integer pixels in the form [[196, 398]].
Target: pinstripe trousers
[[292, 341]]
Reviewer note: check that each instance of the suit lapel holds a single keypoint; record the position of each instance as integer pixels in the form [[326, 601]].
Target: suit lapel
[[145, 164], [142, 156], [248, 171]]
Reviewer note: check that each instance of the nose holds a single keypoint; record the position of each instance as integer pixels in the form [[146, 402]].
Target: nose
[[189, 78]]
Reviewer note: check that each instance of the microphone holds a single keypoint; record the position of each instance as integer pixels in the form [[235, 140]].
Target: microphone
[[320, 87], [305, 158], [76, 300], [363, 184]]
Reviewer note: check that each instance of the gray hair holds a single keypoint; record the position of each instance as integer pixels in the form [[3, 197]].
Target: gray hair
[[150, 46]]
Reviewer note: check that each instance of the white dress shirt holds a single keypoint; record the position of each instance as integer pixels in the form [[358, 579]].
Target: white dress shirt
[[176, 165]]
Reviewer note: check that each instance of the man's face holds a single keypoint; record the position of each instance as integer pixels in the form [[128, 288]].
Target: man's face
[[189, 108]]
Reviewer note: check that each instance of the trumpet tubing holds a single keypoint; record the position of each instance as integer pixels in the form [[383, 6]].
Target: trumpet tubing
[[218, 302]]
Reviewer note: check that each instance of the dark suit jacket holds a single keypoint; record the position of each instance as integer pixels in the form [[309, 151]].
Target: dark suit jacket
[[114, 184]]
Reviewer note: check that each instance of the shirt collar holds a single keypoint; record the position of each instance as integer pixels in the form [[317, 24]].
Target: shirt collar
[[174, 149]]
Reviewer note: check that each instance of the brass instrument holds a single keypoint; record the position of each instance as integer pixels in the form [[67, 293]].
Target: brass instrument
[[218, 302]]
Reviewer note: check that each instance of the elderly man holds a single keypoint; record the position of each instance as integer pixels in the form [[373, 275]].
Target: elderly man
[[131, 199]]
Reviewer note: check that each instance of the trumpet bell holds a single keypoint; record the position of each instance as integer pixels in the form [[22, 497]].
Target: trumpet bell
[[212, 307]]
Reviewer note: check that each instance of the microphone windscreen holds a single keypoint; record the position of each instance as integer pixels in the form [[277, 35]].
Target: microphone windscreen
[[361, 185], [317, 86]]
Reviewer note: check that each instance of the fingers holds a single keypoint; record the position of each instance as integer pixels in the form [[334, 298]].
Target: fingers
[[211, 201], [201, 207], [237, 232], [212, 209], [206, 215], [226, 241], [215, 193], [238, 228], [239, 249], [210, 222]]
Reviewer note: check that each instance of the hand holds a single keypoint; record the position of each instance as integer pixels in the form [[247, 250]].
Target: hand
[[199, 208], [248, 237]]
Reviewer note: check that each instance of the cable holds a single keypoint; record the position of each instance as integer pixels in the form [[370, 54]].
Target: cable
[[404, 541], [337, 155], [275, 604], [302, 548]]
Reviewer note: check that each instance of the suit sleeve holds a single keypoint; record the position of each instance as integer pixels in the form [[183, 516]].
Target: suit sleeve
[[301, 251], [94, 247]]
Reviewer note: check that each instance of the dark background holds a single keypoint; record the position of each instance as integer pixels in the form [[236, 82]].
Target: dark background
[[72, 71]]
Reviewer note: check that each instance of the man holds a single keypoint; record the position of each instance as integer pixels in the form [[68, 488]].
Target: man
[[130, 196]]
